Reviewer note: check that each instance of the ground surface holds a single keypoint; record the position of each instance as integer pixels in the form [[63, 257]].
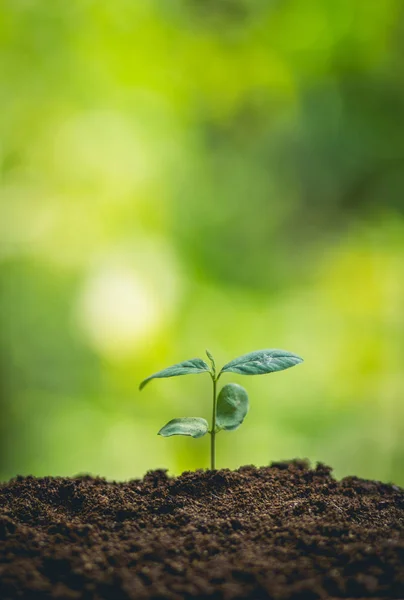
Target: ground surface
[[281, 532]]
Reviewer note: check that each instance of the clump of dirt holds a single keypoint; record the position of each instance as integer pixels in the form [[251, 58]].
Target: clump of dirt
[[282, 532]]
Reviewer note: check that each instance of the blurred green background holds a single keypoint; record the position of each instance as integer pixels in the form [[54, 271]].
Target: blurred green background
[[200, 173]]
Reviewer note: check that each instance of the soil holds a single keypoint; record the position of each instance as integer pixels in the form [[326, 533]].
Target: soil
[[282, 532]]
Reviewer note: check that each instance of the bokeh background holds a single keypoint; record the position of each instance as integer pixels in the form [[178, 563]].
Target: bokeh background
[[187, 174]]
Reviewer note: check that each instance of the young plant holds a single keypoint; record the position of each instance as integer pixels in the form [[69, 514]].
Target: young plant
[[231, 405]]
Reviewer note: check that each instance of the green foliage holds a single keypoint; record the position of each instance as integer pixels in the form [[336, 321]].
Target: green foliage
[[188, 367], [261, 362], [212, 360], [231, 406], [209, 355], [193, 426]]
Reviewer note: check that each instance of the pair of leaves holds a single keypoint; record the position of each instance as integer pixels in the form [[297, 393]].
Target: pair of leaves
[[232, 407], [254, 363], [232, 402]]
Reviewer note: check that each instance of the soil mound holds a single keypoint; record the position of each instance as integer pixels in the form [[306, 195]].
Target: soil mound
[[282, 532]]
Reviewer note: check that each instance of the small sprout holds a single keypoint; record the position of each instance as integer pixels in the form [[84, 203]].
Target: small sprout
[[212, 361], [231, 406]]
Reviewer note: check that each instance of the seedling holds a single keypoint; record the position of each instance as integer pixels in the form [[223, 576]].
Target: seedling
[[231, 405]]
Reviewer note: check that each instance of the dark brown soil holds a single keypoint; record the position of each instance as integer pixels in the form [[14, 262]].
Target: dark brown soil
[[284, 531]]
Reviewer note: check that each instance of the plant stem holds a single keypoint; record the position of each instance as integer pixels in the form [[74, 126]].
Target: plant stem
[[213, 432]]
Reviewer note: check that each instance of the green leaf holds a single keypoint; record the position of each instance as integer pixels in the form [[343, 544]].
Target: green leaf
[[195, 365], [232, 406], [261, 362], [209, 355], [193, 426], [212, 361]]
